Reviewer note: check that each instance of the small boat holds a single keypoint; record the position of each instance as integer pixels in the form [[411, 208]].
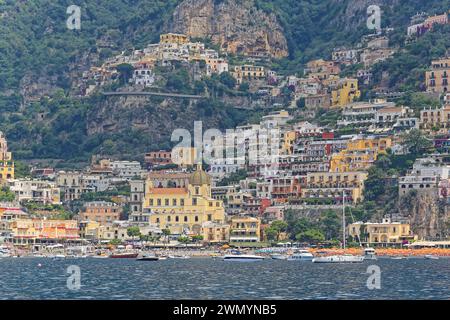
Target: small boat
[[278, 256], [147, 258], [398, 258], [242, 257], [370, 254], [301, 255], [345, 258], [162, 258], [178, 257], [431, 257], [124, 255]]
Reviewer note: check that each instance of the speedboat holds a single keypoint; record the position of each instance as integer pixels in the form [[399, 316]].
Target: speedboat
[[345, 258], [431, 257], [301, 255], [178, 257], [370, 254], [147, 258], [279, 256], [242, 257]]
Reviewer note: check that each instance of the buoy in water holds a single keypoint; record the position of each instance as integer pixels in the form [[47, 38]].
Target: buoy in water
[[39, 265]]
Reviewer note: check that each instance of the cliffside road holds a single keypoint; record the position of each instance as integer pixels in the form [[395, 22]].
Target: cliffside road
[[161, 94]]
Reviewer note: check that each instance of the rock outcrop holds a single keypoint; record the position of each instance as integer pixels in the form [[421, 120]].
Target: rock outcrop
[[429, 217], [237, 26]]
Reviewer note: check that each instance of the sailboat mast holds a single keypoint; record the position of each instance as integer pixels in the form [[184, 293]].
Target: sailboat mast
[[343, 219]]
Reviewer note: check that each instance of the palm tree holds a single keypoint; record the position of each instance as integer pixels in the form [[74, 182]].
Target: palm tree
[[166, 233]]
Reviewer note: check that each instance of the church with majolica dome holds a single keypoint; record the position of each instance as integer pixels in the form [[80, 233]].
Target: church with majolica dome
[[188, 210]]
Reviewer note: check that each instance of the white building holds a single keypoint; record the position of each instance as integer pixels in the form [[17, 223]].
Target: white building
[[424, 176], [127, 169], [143, 77], [40, 191]]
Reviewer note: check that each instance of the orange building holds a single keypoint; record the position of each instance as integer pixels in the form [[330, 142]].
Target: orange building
[[158, 158], [437, 77], [29, 231], [101, 211]]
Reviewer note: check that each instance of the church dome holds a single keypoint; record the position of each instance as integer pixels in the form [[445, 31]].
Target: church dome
[[199, 178]]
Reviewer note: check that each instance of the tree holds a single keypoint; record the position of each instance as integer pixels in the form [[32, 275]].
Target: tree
[[133, 232], [227, 79], [7, 195], [166, 233], [244, 87], [115, 242], [330, 223], [197, 238], [416, 142], [184, 239], [126, 72], [275, 229], [301, 103], [310, 236], [271, 234]]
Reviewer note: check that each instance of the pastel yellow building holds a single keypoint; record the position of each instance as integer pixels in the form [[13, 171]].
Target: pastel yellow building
[[359, 155], [245, 229], [287, 142], [216, 232], [346, 94], [436, 78], [334, 185], [89, 229], [6, 163], [248, 72], [184, 210], [28, 231], [385, 232], [173, 38]]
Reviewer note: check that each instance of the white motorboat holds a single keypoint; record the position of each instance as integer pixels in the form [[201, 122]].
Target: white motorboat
[[279, 256], [178, 257], [431, 257], [301, 255], [148, 257], [345, 258], [398, 258], [370, 254], [242, 257]]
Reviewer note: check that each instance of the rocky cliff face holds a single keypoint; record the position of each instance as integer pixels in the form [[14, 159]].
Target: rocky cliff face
[[428, 215], [237, 26]]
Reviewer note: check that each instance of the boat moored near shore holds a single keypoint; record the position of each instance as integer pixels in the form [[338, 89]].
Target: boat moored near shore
[[242, 257]]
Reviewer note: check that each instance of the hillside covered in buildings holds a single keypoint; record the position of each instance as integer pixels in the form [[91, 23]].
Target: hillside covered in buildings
[[358, 119]]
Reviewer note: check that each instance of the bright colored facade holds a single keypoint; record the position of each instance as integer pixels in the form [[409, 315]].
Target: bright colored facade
[[6, 163], [359, 155], [334, 185], [385, 232], [184, 210], [245, 229], [436, 79], [346, 93], [249, 72], [173, 38], [27, 231], [101, 211]]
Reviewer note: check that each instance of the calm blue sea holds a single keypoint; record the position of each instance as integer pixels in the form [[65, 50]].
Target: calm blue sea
[[23, 278]]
